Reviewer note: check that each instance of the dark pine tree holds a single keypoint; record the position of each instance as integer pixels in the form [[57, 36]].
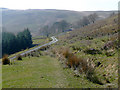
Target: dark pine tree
[[12, 43]]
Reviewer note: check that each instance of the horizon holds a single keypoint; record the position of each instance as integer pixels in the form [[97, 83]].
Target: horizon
[[54, 9], [73, 5]]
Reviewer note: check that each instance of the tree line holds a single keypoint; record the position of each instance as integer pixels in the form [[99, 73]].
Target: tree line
[[56, 27], [86, 20], [12, 43], [61, 26]]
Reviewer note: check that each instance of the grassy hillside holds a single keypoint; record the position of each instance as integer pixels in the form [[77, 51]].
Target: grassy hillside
[[17, 20], [83, 58], [96, 43]]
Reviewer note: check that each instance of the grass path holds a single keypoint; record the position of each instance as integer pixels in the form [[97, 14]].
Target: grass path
[[42, 72], [35, 72]]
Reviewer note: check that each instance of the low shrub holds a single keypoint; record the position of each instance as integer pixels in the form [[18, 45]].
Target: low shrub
[[66, 53], [19, 57], [110, 52], [79, 64], [44, 48], [92, 51], [5, 60], [109, 45], [98, 64], [93, 78], [76, 48], [73, 61], [53, 51], [83, 64], [40, 53]]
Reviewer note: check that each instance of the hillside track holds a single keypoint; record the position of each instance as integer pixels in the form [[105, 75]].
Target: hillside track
[[54, 40]]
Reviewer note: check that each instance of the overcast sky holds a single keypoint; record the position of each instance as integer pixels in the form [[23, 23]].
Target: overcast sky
[[77, 5]]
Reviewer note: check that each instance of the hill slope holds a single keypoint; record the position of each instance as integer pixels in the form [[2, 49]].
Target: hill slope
[[49, 71], [17, 20], [96, 43]]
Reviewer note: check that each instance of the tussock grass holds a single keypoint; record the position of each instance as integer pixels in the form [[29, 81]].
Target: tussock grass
[[80, 64], [73, 61], [66, 53], [5, 60]]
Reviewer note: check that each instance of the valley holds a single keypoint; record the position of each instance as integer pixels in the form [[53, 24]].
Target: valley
[[85, 56]]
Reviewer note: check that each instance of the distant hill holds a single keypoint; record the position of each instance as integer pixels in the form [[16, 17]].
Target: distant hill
[[34, 19]]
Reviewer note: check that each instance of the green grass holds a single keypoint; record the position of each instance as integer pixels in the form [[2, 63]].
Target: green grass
[[41, 40], [47, 72], [109, 64], [42, 72], [0, 75]]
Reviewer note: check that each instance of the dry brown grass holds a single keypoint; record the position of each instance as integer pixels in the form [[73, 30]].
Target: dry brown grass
[[72, 61], [5, 60], [66, 53]]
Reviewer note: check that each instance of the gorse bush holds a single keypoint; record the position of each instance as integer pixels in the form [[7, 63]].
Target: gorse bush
[[5, 60]]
